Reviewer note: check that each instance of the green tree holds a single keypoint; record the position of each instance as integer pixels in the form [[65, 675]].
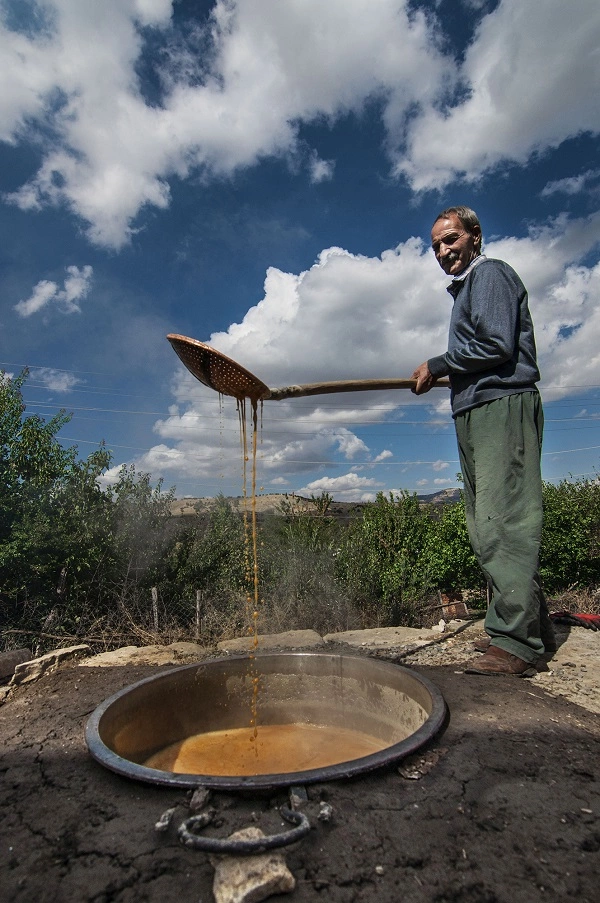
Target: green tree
[[297, 568], [570, 549], [139, 514], [31, 461], [212, 558], [52, 514], [31, 458], [302, 528], [383, 559], [452, 562]]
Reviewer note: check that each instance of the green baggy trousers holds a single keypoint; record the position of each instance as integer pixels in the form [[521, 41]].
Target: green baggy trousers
[[499, 446]]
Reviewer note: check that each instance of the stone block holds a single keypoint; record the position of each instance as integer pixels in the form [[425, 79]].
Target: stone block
[[291, 639], [174, 654], [250, 879], [9, 661], [29, 671]]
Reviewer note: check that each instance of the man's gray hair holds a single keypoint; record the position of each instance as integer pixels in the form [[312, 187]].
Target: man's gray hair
[[468, 217]]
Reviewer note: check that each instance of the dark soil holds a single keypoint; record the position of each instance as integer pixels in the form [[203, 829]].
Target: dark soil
[[509, 814]]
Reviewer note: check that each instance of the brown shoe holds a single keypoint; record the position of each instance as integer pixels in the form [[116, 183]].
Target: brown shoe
[[482, 644], [497, 661]]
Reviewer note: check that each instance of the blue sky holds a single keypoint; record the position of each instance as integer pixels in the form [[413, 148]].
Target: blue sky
[[262, 175]]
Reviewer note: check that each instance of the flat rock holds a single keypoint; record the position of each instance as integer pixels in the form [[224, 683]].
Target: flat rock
[[9, 661], [291, 639], [393, 637], [27, 672], [250, 879], [174, 654], [574, 671]]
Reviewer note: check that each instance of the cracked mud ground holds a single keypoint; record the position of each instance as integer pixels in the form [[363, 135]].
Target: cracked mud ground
[[509, 813]]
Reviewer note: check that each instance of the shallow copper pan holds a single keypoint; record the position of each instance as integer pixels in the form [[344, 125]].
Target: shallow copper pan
[[385, 700]]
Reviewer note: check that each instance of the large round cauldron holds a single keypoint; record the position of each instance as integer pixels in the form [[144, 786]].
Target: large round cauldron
[[342, 693]]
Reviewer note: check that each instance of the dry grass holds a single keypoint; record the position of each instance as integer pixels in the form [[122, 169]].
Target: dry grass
[[577, 601], [320, 608]]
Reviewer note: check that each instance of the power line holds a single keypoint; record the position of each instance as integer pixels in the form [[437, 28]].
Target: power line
[[105, 373], [311, 421], [346, 463]]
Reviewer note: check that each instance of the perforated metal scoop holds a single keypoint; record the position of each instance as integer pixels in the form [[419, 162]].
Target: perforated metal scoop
[[224, 375], [216, 370]]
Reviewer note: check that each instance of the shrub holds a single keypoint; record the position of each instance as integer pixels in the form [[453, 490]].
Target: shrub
[[570, 550], [452, 562], [382, 559], [77, 559]]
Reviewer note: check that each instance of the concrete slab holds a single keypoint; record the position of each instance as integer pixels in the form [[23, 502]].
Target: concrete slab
[[399, 638], [291, 639], [574, 671], [174, 654]]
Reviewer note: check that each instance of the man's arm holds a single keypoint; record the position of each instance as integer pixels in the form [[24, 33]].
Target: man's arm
[[486, 335], [495, 299]]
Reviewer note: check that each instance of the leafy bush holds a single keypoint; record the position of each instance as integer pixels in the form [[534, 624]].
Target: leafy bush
[[570, 550], [80, 560], [71, 552], [297, 569], [452, 562], [51, 513], [211, 559], [383, 562]]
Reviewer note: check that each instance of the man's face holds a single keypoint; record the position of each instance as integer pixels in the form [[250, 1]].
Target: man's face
[[453, 246]]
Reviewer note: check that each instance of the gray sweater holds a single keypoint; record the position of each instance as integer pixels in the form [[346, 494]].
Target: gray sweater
[[491, 345]]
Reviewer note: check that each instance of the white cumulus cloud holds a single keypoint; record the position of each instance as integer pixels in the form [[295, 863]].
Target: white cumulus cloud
[[55, 380], [237, 88], [76, 287], [266, 67], [572, 185], [383, 456], [320, 170], [352, 317], [530, 83], [350, 486]]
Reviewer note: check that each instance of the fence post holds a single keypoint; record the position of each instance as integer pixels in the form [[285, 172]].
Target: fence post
[[198, 613], [155, 606]]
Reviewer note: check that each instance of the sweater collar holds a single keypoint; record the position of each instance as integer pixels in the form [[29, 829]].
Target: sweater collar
[[457, 281]]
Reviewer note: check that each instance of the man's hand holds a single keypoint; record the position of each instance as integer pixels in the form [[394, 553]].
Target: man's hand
[[425, 381]]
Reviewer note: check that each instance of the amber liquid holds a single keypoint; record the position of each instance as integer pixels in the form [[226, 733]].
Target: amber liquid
[[251, 540], [277, 749]]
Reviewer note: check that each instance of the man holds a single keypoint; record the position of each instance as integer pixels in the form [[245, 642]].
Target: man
[[491, 362]]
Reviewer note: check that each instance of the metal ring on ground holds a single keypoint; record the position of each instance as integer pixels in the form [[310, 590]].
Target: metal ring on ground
[[189, 838]]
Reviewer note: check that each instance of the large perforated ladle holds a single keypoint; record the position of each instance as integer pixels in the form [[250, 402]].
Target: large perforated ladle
[[224, 375]]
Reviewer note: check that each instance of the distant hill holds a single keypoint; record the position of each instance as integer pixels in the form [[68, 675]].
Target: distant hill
[[443, 497], [272, 504]]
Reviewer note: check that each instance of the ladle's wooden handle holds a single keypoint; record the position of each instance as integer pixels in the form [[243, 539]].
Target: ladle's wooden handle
[[348, 385]]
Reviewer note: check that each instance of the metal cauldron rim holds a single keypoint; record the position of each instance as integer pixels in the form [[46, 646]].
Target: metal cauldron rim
[[385, 757]]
